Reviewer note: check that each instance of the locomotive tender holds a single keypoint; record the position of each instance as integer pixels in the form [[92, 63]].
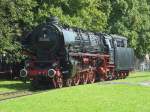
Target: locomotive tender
[[70, 56]]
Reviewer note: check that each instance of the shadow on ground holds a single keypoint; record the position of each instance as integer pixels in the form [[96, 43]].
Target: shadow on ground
[[15, 86]]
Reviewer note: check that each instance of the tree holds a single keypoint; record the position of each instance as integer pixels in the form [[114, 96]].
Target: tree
[[15, 17], [78, 13], [131, 18]]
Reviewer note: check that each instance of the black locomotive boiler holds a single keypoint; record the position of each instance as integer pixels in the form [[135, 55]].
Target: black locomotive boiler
[[70, 56]]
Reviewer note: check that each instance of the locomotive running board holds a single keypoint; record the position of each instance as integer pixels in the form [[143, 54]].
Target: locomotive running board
[[88, 54]]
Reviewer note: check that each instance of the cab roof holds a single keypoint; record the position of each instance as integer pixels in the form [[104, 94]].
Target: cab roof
[[118, 37]]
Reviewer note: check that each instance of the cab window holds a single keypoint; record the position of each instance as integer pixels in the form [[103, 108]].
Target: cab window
[[120, 43]]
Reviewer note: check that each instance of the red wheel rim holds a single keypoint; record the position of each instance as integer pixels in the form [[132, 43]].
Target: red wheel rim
[[91, 77], [85, 78], [69, 82], [76, 80], [59, 82]]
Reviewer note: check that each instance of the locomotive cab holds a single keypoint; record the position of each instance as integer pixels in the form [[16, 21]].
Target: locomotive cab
[[119, 41], [109, 43]]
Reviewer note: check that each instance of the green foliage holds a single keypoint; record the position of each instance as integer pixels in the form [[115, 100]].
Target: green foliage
[[78, 13], [15, 17], [130, 18]]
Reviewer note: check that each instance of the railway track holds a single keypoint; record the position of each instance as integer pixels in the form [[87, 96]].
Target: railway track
[[16, 94]]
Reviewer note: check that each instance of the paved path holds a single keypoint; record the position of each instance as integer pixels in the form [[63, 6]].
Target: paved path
[[145, 83]]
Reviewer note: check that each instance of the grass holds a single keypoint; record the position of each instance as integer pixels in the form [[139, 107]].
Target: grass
[[87, 98]]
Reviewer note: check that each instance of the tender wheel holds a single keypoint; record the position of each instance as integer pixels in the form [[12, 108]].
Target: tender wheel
[[126, 74], [118, 75], [122, 75]]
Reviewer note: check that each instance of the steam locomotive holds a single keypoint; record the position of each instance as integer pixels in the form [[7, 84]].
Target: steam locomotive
[[60, 55]]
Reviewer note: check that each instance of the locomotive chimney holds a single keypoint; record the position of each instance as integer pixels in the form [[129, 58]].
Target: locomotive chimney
[[53, 20]]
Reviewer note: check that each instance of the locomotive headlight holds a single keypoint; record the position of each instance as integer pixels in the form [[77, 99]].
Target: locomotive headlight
[[23, 73], [51, 73]]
